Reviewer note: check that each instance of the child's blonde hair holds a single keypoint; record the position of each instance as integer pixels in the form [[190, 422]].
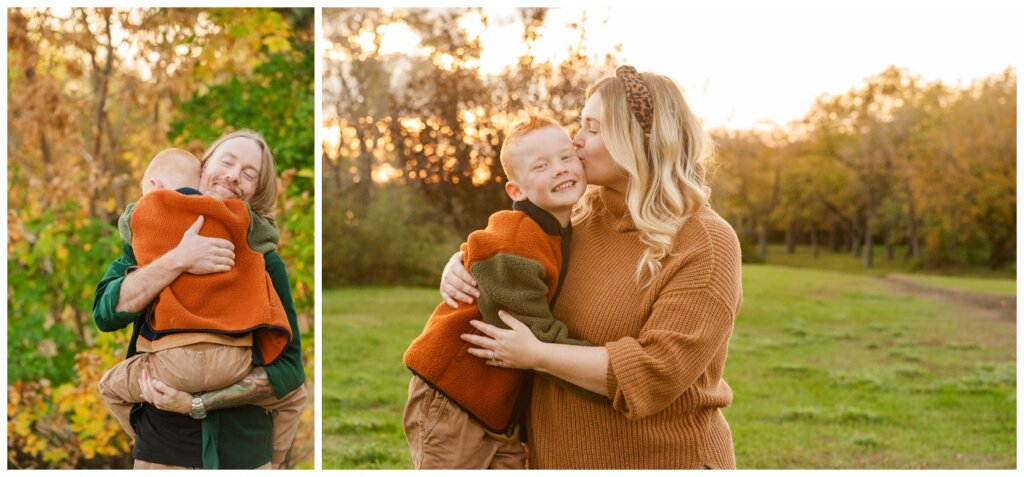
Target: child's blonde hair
[[515, 133], [173, 168], [264, 198], [666, 183]]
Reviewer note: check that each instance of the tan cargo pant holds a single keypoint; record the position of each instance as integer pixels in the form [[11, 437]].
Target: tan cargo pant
[[197, 368], [442, 436]]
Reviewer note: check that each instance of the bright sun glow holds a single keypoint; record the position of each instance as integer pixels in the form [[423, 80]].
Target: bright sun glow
[[741, 66], [398, 38], [385, 173]]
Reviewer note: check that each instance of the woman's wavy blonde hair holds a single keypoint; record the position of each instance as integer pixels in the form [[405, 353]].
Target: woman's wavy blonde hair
[[264, 198], [667, 182]]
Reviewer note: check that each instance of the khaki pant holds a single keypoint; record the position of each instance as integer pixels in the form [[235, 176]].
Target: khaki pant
[[197, 368], [442, 436]]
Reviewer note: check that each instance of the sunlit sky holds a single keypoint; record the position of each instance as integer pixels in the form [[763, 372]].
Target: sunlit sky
[[746, 66]]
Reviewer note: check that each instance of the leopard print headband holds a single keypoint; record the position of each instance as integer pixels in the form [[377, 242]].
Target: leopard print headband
[[638, 95]]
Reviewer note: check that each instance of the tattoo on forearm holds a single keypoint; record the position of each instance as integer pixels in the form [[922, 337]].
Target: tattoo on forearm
[[251, 388]]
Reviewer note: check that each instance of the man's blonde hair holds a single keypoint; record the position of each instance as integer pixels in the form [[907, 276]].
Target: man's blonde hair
[[264, 198], [515, 133], [174, 168], [666, 183]]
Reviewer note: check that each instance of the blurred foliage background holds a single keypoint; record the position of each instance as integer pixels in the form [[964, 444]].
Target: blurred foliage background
[[899, 169], [93, 93]]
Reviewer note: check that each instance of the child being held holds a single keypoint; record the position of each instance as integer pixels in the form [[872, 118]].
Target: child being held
[[463, 413], [203, 332]]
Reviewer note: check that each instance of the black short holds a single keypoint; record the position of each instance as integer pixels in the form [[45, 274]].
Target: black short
[[167, 438]]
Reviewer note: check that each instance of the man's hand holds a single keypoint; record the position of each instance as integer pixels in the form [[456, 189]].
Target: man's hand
[[200, 255], [163, 396]]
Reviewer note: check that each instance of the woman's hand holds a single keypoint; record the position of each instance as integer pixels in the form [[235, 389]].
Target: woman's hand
[[457, 285], [163, 396], [584, 366], [200, 255], [513, 348]]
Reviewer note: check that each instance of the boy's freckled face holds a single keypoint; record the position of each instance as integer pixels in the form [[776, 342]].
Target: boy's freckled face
[[548, 171]]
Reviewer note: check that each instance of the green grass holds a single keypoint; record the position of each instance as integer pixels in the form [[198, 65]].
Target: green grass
[[365, 384], [828, 370]]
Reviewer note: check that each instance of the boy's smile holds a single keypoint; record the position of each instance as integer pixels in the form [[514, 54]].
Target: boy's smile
[[548, 172]]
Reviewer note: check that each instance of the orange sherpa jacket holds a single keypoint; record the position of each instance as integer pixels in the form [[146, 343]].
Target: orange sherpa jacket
[[239, 301], [519, 263]]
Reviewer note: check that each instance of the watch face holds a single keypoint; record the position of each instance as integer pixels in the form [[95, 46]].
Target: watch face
[[198, 410]]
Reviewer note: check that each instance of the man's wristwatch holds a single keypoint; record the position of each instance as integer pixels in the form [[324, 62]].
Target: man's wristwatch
[[198, 409]]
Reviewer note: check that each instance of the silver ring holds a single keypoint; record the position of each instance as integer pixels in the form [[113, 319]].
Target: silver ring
[[494, 357]]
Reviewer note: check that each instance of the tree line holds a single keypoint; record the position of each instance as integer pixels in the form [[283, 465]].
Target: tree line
[[922, 167], [412, 138]]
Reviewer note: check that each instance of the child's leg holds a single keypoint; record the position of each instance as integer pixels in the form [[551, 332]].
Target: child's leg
[[193, 368], [442, 436], [286, 413], [508, 454], [120, 388], [201, 367]]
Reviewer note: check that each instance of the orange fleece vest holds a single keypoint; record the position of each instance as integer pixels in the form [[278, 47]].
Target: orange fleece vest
[[239, 301], [439, 355]]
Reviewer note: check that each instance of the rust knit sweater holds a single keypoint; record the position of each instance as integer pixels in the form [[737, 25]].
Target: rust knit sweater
[[667, 347], [239, 301]]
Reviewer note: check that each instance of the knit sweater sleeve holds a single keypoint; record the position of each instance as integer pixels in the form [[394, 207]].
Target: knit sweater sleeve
[[689, 326]]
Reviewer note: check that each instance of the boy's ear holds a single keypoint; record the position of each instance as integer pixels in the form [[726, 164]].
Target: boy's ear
[[514, 191], [156, 184]]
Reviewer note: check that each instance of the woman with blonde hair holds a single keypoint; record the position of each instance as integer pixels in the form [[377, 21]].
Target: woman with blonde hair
[[218, 428], [654, 278]]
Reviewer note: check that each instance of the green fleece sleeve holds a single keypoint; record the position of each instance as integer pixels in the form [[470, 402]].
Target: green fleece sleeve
[[287, 373], [516, 284], [124, 223], [263, 234], [108, 295]]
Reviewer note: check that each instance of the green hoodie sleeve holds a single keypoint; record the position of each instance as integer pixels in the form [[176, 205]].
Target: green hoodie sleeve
[[124, 223], [287, 373], [108, 294], [263, 233]]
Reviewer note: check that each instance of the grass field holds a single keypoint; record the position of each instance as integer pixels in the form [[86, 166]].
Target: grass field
[[828, 369]]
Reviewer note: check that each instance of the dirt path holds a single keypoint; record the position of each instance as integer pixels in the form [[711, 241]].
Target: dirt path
[[1005, 307]]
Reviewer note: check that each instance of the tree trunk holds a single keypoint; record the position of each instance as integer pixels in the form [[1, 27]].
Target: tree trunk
[[954, 235], [913, 243], [364, 165], [869, 249], [762, 241], [791, 237], [856, 242], [835, 242], [890, 248], [814, 240]]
